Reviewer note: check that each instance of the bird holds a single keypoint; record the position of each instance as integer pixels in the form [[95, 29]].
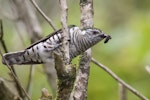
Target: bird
[[42, 51]]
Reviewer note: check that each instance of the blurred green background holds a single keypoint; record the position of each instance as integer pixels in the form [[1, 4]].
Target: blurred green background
[[126, 54]]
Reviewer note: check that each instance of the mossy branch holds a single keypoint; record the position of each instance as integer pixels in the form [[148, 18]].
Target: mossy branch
[[66, 76]]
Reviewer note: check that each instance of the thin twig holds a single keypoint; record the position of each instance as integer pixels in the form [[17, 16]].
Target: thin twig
[[26, 15], [44, 15], [65, 35], [14, 76], [50, 72], [6, 51], [1, 37], [3, 42], [134, 91]]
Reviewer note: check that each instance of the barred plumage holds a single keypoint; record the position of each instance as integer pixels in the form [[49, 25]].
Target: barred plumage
[[41, 51]]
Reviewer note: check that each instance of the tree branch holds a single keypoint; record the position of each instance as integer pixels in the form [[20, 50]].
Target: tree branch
[[50, 72], [81, 85], [122, 92], [87, 13], [1, 37], [66, 73], [119, 80], [14, 76], [3, 42], [24, 14], [44, 15], [12, 67], [65, 35], [66, 77]]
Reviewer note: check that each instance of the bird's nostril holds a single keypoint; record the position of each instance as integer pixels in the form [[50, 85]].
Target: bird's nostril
[[103, 35]]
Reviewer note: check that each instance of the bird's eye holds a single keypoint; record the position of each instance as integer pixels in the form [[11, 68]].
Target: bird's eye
[[95, 32]]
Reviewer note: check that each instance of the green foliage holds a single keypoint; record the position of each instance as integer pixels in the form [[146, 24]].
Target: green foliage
[[127, 54]]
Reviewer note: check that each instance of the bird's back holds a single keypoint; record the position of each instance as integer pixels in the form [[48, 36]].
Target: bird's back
[[39, 52]]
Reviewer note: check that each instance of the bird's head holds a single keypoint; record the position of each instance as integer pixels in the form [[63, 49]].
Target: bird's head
[[95, 35]]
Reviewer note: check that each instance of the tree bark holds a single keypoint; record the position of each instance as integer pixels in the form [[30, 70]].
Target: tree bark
[[66, 77], [65, 35], [122, 92], [66, 73], [81, 85]]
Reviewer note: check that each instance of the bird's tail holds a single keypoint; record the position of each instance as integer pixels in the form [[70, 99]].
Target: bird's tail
[[19, 58], [13, 58]]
